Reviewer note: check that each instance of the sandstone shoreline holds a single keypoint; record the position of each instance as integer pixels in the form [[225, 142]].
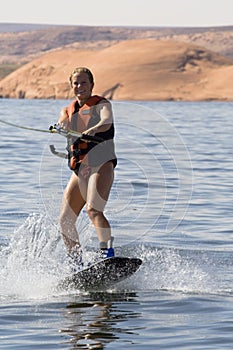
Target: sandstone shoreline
[[145, 69]]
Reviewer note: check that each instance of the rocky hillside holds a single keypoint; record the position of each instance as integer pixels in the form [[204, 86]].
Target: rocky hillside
[[24, 42], [145, 69], [136, 63]]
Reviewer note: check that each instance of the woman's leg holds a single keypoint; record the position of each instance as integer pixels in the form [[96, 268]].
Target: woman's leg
[[73, 201], [98, 190]]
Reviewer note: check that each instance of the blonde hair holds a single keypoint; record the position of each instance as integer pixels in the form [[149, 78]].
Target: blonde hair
[[82, 70]]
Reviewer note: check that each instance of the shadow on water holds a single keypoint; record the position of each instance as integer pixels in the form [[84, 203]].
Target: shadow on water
[[99, 319]]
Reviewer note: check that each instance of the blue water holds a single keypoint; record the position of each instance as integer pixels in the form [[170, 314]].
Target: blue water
[[171, 205]]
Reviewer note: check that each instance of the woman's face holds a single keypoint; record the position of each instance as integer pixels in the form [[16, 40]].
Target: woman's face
[[81, 86]]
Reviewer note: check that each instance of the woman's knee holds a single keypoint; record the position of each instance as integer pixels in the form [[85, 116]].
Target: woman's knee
[[92, 212]]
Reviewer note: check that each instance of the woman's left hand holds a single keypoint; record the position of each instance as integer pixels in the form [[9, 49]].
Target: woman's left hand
[[90, 132]]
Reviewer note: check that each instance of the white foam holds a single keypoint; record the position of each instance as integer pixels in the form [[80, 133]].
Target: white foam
[[35, 262]]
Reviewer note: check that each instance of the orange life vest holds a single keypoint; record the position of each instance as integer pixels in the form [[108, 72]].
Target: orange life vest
[[81, 119]]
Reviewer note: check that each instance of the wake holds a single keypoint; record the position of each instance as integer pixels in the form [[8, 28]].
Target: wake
[[35, 262]]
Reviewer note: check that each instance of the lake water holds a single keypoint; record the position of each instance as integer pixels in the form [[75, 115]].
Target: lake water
[[171, 205]]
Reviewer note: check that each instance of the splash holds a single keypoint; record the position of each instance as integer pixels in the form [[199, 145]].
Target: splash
[[34, 263], [173, 270], [32, 260]]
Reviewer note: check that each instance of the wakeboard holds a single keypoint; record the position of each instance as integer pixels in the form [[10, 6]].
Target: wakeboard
[[103, 274]]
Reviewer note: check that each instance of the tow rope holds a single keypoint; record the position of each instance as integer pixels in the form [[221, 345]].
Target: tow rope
[[61, 131]]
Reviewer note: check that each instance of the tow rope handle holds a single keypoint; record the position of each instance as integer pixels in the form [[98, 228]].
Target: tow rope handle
[[67, 132], [58, 154]]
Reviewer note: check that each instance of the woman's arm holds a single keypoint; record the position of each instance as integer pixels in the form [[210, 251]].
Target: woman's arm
[[63, 118], [106, 119]]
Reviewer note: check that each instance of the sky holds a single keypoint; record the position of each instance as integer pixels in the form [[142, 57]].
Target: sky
[[184, 13]]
